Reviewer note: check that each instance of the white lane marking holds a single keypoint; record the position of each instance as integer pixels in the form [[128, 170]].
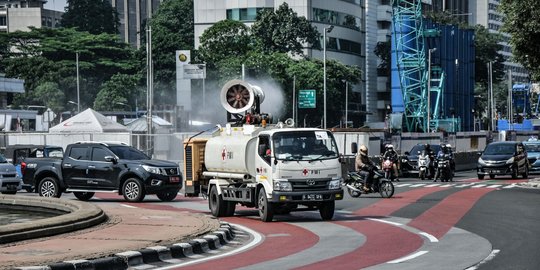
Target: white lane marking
[[402, 185], [386, 221], [447, 185], [418, 185], [466, 185], [128, 206], [430, 237], [257, 238], [494, 186], [433, 185], [479, 186], [410, 257], [510, 186], [487, 259]]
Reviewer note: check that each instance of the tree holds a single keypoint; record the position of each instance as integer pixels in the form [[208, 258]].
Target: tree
[[522, 22], [172, 29], [487, 49], [225, 39], [116, 92], [283, 31], [94, 16], [51, 95]]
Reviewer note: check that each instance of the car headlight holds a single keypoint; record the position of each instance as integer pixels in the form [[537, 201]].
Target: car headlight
[[154, 170], [510, 161], [481, 162], [282, 185], [335, 184]]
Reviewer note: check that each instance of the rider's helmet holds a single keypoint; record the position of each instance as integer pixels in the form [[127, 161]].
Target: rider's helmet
[[428, 147], [389, 147], [448, 146], [363, 150]]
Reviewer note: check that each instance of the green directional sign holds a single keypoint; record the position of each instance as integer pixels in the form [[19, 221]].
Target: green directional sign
[[306, 99]]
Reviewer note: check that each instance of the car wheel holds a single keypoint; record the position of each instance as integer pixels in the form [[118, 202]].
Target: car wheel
[[84, 196], [491, 176], [133, 190], [481, 176], [167, 196], [48, 187]]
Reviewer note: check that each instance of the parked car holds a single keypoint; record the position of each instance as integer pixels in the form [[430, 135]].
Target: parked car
[[503, 158], [10, 182], [409, 162], [17, 153], [90, 167], [533, 154]]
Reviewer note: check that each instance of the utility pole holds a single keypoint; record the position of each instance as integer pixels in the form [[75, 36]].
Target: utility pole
[[150, 76]]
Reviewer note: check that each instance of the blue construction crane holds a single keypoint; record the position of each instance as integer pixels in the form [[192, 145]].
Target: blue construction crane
[[418, 80]]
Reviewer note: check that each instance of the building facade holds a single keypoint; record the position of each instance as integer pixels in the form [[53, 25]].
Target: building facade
[[132, 15], [19, 15], [485, 12]]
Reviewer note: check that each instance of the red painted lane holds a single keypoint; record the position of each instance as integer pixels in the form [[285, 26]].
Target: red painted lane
[[384, 242], [281, 239], [386, 207], [439, 219]]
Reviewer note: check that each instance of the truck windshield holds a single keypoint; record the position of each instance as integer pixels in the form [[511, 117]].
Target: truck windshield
[[128, 153], [306, 145]]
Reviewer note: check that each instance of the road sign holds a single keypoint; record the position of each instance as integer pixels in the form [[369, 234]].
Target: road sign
[[306, 99], [194, 71]]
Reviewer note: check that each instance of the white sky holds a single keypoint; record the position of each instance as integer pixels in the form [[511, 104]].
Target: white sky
[[55, 4]]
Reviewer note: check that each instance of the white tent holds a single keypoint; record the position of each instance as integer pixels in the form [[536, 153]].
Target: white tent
[[88, 121]]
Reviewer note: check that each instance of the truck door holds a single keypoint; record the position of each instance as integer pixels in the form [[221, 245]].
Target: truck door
[[103, 174], [74, 167], [263, 161]]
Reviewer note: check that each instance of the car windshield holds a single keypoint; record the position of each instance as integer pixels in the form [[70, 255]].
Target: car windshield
[[500, 149], [128, 153], [3, 159], [304, 145], [420, 147], [532, 147]]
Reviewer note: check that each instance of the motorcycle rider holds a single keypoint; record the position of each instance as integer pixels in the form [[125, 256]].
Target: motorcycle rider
[[452, 161], [391, 154], [444, 151], [431, 155], [365, 167]]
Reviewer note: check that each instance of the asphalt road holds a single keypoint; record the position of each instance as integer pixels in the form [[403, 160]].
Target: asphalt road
[[491, 224]]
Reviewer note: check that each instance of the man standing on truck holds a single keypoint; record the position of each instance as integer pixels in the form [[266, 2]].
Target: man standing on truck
[[365, 166]]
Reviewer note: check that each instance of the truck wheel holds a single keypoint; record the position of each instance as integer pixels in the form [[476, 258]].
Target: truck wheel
[[327, 210], [167, 196], [133, 190], [84, 196], [215, 202], [481, 176], [266, 209], [48, 187]]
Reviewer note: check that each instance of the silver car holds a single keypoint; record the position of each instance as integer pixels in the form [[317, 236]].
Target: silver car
[[10, 181]]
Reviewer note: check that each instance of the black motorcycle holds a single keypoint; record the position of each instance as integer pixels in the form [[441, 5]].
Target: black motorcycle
[[444, 168], [355, 184]]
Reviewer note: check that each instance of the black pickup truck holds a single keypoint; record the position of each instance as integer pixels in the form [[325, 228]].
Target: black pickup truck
[[90, 167]]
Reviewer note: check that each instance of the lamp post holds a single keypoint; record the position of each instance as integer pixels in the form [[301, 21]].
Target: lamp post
[[326, 30], [78, 95], [430, 51]]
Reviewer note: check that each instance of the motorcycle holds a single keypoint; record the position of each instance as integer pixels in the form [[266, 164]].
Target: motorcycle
[[423, 165], [388, 168], [444, 169], [355, 184]]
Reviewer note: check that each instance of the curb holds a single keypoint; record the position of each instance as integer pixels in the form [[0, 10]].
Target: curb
[[155, 254]]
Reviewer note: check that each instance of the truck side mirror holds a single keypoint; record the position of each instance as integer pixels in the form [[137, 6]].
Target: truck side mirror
[[354, 148], [111, 159]]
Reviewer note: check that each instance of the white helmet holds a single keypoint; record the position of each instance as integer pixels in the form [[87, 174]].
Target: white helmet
[[363, 150], [448, 145], [389, 146]]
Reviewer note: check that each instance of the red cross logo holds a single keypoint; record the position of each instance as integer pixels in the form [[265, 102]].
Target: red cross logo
[[304, 172], [223, 154]]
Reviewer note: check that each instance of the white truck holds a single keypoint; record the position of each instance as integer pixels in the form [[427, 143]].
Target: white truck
[[275, 168]]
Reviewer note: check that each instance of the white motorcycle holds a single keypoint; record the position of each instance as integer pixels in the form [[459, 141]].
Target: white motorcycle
[[423, 165]]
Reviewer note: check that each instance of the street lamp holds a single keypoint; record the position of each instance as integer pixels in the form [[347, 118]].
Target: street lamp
[[326, 30], [78, 96], [430, 51], [346, 103]]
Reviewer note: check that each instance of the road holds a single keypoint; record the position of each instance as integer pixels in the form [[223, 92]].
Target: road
[[467, 224]]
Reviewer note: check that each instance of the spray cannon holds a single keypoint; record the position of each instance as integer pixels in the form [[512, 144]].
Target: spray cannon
[[243, 103]]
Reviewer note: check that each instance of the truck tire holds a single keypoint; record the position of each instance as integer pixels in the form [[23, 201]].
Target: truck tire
[[266, 208], [215, 203], [48, 187], [230, 208], [167, 196], [84, 196], [326, 209], [133, 190]]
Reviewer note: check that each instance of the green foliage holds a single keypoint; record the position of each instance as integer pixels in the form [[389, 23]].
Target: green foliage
[[51, 95], [225, 39], [116, 93], [522, 22], [283, 31], [383, 50], [487, 49], [93, 16]]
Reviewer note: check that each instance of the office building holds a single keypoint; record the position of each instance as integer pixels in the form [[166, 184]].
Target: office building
[[132, 15], [19, 15]]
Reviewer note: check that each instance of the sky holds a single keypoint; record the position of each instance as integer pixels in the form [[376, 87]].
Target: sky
[[55, 4]]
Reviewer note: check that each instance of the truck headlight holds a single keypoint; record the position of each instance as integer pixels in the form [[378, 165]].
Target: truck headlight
[[281, 185], [154, 170], [335, 184], [510, 161]]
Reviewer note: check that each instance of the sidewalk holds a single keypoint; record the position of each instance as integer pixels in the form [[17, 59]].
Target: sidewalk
[[126, 229]]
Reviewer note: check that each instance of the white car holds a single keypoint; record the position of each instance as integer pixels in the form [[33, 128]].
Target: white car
[[10, 181]]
